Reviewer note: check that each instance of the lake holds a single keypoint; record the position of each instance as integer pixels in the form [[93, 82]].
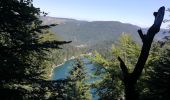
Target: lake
[[61, 72]]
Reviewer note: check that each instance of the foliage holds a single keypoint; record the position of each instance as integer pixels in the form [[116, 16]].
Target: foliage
[[158, 75], [127, 49], [156, 79], [77, 87], [111, 86], [152, 83], [68, 51], [24, 56], [91, 33]]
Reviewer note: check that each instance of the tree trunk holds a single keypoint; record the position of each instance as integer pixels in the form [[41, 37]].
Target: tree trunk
[[130, 79], [131, 92]]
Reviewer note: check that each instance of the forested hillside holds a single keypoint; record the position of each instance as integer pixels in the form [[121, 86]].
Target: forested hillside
[[90, 33], [94, 35], [94, 32]]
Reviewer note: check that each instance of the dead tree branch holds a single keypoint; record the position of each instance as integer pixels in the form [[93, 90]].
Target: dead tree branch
[[130, 80]]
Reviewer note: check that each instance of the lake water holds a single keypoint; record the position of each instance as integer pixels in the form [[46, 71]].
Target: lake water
[[61, 72]]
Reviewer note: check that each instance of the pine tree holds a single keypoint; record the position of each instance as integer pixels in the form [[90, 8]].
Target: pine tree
[[77, 87], [111, 86], [24, 58], [159, 75]]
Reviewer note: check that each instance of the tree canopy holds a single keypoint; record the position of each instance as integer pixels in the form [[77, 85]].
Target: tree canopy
[[24, 57]]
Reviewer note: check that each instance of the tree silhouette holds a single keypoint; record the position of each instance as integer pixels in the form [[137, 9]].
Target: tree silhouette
[[23, 56], [130, 79]]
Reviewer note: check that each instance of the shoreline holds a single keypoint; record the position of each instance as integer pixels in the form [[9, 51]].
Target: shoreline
[[73, 57], [55, 66]]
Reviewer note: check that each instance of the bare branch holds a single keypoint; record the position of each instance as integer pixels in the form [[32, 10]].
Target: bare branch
[[130, 79], [159, 17], [155, 14], [142, 36], [123, 67], [147, 43], [158, 21]]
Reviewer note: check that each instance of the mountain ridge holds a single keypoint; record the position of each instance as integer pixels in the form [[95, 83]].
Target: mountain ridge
[[91, 32]]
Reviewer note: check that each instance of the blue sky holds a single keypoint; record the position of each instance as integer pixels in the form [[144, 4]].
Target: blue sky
[[138, 12]]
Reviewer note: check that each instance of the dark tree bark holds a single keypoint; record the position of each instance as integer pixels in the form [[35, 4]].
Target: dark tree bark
[[130, 79]]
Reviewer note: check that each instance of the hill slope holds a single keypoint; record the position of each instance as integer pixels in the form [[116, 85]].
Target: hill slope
[[91, 33]]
